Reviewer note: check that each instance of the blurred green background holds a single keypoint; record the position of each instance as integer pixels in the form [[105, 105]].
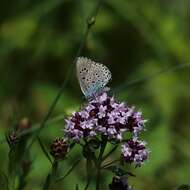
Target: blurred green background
[[134, 38]]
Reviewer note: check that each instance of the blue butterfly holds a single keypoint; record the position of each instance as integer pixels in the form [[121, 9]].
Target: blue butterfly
[[92, 76]]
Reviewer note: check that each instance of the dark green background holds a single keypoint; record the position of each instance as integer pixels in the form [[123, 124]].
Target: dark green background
[[134, 38]]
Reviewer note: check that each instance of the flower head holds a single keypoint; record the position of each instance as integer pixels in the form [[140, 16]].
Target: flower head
[[105, 116], [135, 151], [59, 148]]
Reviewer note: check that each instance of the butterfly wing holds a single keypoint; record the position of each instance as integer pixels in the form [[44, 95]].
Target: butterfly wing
[[83, 66], [93, 77], [97, 78]]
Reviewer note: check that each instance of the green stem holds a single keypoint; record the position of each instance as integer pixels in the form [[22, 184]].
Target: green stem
[[22, 182], [110, 163], [88, 172], [36, 126], [110, 152], [99, 162], [44, 150], [69, 171], [50, 179]]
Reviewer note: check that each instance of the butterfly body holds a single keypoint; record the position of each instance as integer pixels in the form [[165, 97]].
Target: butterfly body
[[93, 77]]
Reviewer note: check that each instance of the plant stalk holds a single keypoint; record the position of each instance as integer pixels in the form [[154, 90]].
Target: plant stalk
[[99, 163], [50, 179]]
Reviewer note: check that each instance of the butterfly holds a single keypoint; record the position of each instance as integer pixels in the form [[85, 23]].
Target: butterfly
[[93, 77]]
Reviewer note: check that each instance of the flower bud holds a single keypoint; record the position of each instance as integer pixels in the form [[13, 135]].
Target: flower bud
[[24, 123], [59, 148]]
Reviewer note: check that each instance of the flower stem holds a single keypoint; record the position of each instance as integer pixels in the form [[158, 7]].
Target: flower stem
[[99, 162], [50, 179], [98, 179], [110, 163], [21, 183], [69, 171], [88, 171], [110, 152]]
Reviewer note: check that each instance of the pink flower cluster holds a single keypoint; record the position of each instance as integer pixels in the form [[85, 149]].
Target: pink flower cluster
[[135, 151], [103, 115]]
